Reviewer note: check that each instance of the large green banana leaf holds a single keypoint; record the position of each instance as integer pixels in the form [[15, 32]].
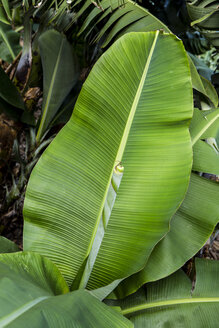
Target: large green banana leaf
[[134, 109], [34, 294], [59, 75], [174, 303], [196, 217], [9, 43], [190, 228]]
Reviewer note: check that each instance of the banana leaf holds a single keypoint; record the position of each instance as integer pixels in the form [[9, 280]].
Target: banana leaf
[[9, 43], [205, 158], [196, 217], [205, 125], [122, 18], [131, 118], [34, 292], [9, 93], [173, 302], [59, 75], [7, 246], [201, 84], [6, 7], [190, 228], [3, 16], [119, 18]]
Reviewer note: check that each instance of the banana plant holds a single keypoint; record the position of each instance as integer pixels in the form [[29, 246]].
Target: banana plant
[[134, 115], [94, 214]]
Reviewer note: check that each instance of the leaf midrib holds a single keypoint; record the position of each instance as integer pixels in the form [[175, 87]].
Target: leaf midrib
[[146, 306], [85, 276], [45, 109]]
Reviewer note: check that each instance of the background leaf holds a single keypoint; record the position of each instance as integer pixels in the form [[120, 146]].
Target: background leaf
[[7, 246], [9, 43], [205, 15], [36, 270], [59, 74], [118, 18]]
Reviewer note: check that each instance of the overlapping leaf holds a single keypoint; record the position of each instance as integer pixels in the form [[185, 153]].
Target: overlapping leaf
[[34, 292], [119, 18], [7, 246], [59, 74], [205, 125], [9, 43], [205, 15], [196, 218], [174, 303]]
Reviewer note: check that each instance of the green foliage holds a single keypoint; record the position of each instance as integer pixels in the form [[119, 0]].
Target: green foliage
[[11, 101], [59, 75], [121, 19], [174, 302], [127, 113], [9, 43], [107, 205], [205, 15], [190, 228], [7, 246], [33, 290]]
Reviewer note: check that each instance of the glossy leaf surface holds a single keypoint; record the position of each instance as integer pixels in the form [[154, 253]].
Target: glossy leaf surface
[[130, 111]]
